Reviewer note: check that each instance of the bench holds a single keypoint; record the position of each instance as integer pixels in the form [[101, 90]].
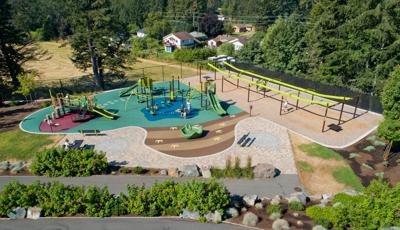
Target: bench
[[86, 132]]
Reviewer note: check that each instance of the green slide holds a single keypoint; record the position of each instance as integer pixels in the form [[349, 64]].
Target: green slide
[[215, 104], [105, 113], [191, 132], [126, 92]]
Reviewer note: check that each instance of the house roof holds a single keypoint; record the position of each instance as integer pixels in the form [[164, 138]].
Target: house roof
[[183, 35], [243, 25], [197, 34], [224, 38]]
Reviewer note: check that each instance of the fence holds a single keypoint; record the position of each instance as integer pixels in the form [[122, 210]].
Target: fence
[[366, 101]]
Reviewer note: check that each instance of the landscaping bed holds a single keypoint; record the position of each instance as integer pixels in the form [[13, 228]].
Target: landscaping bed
[[366, 159]]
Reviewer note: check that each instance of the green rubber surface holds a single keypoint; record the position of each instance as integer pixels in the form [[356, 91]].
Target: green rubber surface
[[133, 115]]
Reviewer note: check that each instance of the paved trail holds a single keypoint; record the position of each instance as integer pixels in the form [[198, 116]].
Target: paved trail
[[112, 224], [283, 184]]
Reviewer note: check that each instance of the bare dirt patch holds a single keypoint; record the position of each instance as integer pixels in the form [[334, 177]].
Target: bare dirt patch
[[10, 117], [320, 180]]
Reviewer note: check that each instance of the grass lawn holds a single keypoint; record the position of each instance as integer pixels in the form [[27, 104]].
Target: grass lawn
[[345, 175], [19, 145], [304, 166], [320, 151]]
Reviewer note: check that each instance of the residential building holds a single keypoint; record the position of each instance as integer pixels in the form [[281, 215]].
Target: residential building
[[141, 33], [179, 40], [238, 42], [199, 35], [238, 28]]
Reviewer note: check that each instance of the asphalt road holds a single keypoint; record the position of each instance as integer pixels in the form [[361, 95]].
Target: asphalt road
[[283, 184], [112, 224]]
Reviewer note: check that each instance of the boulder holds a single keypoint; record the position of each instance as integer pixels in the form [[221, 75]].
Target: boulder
[[259, 205], [280, 224], [299, 223], [326, 196], [265, 199], [232, 212], [4, 166], [250, 219], [296, 214], [276, 200], [323, 203], [17, 213], [206, 171], [250, 200], [190, 171], [17, 168], [319, 227], [215, 217], [163, 172], [33, 213], [243, 210], [174, 172], [298, 196], [264, 170], [186, 214]]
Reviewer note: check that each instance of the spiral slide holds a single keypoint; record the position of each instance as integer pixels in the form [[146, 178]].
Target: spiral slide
[[289, 85], [272, 89]]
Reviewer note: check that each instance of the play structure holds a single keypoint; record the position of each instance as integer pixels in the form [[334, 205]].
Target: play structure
[[287, 91], [191, 132]]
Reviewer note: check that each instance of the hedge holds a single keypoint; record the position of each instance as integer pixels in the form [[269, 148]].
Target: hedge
[[167, 198], [74, 162], [190, 55]]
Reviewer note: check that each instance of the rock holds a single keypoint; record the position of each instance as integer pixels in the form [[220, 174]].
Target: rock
[[173, 172], [353, 155], [276, 200], [323, 203], [280, 224], [296, 214], [298, 196], [326, 197], [17, 213], [186, 214], [265, 199], [163, 172], [250, 200], [319, 227], [244, 209], [4, 166], [367, 166], [299, 223], [275, 216], [351, 192], [232, 212], [236, 201], [264, 170], [190, 171], [259, 205], [17, 168], [250, 219], [33, 213], [215, 217], [206, 171]]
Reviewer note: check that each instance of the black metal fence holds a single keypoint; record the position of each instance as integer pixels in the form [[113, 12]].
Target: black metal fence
[[366, 101]]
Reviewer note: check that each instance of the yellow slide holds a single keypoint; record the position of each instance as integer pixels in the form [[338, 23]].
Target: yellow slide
[[289, 85], [272, 89]]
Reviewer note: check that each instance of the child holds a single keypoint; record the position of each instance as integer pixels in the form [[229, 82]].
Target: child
[[184, 113], [67, 145], [188, 106]]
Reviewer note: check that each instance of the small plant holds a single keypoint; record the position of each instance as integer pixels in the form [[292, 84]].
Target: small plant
[[274, 208], [249, 169], [228, 168], [371, 138], [44, 104], [379, 143], [138, 170], [296, 206], [217, 173], [125, 170], [237, 171], [369, 148], [353, 155]]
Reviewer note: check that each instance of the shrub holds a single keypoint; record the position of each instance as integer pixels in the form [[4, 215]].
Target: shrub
[[138, 170], [190, 55], [125, 170], [57, 162], [44, 104], [321, 216], [296, 206], [274, 208]]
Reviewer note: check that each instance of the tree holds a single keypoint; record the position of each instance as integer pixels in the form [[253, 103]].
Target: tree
[[10, 41], [283, 44], [156, 26], [26, 84], [97, 38], [228, 28], [227, 49], [211, 26], [252, 51]]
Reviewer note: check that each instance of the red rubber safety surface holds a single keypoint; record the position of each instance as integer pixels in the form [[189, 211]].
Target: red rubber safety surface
[[63, 123]]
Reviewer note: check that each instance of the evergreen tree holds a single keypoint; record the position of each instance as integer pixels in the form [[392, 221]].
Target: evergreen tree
[[252, 51], [97, 38], [10, 40]]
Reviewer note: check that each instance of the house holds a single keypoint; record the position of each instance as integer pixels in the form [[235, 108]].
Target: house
[[179, 40], [238, 28], [141, 33], [238, 42], [199, 35], [221, 17]]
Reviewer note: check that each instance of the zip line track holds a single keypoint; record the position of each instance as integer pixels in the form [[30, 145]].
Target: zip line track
[[328, 104], [289, 85]]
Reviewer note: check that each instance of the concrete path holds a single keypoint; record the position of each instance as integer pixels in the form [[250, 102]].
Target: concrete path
[[283, 184], [112, 224]]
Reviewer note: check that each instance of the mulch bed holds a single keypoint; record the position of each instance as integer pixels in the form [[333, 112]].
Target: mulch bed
[[374, 159], [11, 116]]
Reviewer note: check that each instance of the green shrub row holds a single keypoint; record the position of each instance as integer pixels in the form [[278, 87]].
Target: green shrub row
[[190, 55], [167, 198], [377, 207], [74, 162]]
